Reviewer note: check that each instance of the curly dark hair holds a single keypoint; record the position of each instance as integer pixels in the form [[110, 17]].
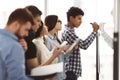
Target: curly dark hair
[[74, 11]]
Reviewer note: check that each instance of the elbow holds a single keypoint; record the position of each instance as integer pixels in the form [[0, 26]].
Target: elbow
[[85, 47]]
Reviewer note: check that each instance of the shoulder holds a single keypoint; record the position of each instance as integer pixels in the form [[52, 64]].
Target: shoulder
[[13, 44], [46, 37], [38, 42], [35, 41]]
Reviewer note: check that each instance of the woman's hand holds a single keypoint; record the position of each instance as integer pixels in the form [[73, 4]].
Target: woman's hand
[[66, 47], [57, 51]]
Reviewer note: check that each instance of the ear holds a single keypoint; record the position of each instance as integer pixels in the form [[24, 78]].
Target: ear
[[71, 18], [16, 25]]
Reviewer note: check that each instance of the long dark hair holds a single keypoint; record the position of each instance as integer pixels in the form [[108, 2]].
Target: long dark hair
[[50, 21], [58, 39], [38, 32]]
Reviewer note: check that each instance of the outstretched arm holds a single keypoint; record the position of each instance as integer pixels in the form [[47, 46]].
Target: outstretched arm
[[106, 37], [87, 42]]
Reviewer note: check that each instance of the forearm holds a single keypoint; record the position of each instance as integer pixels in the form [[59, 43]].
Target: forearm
[[108, 39], [49, 61], [87, 42], [32, 63]]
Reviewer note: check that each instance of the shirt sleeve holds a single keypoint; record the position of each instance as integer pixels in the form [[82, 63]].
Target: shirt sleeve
[[15, 64], [70, 37], [84, 44]]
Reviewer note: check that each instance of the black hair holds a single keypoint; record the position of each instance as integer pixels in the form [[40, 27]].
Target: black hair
[[38, 32], [74, 11], [34, 10], [50, 21]]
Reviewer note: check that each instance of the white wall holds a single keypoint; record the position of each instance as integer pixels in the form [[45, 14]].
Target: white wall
[[7, 6]]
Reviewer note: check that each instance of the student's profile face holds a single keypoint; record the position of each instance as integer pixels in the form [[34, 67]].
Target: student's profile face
[[58, 25], [23, 30], [37, 21], [76, 21]]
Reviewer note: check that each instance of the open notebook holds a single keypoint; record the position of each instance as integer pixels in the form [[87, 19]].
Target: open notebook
[[47, 70], [73, 45], [52, 68]]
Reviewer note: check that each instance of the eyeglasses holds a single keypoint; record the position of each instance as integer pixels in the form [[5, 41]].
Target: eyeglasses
[[59, 21]]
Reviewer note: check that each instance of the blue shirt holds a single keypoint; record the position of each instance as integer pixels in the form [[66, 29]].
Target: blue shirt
[[51, 42], [12, 61]]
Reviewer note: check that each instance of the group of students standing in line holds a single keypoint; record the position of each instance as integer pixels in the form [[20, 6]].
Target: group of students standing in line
[[26, 35]]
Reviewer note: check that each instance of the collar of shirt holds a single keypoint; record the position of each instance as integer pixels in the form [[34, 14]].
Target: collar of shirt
[[69, 28], [51, 36], [8, 34]]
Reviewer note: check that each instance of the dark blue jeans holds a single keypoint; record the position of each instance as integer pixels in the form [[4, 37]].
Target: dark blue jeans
[[70, 75]]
